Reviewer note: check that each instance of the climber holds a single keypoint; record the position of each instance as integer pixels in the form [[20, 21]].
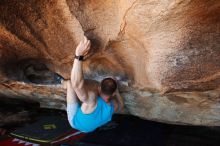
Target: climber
[[96, 108]]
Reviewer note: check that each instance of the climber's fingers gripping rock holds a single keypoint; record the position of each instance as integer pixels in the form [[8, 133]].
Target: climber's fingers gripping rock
[[83, 48]]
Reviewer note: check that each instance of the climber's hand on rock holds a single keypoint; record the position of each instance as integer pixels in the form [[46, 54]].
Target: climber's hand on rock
[[83, 48]]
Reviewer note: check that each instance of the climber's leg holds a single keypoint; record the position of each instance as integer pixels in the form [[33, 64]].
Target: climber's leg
[[72, 103]]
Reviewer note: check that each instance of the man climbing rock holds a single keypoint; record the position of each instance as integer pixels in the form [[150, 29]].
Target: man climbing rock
[[93, 108]]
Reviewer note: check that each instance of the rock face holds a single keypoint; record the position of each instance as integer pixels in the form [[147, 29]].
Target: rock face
[[166, 54]]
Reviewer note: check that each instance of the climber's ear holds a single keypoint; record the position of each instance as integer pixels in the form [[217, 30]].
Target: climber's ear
[[99, 89]]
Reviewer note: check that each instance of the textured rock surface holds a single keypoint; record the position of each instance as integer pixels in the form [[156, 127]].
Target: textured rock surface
[[166, 54]]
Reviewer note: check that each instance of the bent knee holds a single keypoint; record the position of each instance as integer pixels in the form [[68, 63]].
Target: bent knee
[[70, 120], [71, 124]]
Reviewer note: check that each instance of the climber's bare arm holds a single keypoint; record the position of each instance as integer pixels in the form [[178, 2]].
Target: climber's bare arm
[[78, 81], [77, 78], [120, 101]]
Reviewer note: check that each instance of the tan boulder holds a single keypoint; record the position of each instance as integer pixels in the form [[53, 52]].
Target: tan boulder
[[165, 54]]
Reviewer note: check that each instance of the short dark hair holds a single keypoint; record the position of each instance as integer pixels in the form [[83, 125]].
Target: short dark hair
[[108, 86]]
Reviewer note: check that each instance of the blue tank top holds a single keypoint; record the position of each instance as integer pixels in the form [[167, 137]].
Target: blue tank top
[[89, 122]]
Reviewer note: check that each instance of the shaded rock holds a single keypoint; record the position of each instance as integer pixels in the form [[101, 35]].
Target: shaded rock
[[166, 54]]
